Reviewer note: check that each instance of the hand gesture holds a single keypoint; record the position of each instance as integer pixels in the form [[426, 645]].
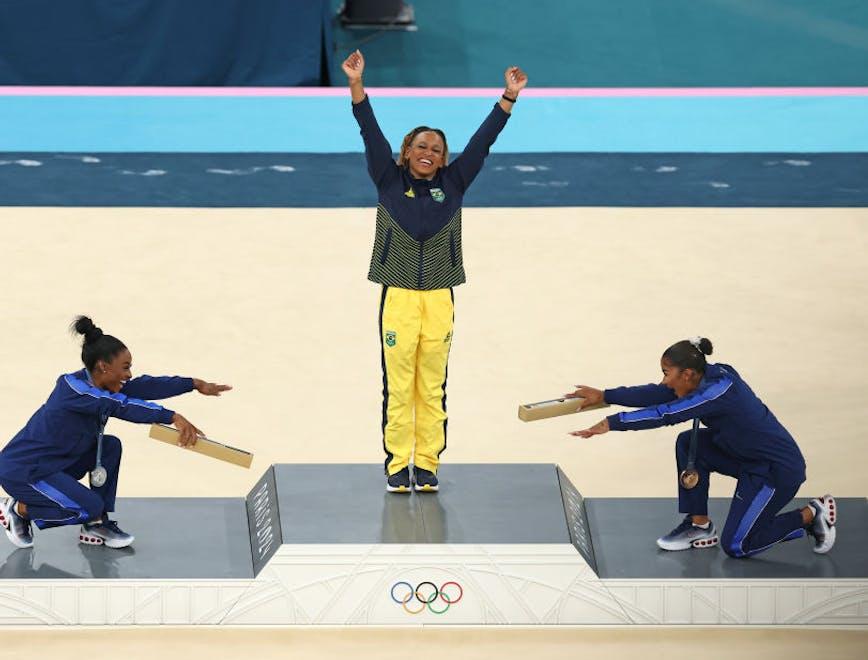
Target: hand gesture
[[354, 66], [591, 395], [209, 389], [516, 80], [189, 432], [597, 429]]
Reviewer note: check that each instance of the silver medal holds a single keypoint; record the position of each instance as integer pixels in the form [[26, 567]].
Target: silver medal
[[98, 476]]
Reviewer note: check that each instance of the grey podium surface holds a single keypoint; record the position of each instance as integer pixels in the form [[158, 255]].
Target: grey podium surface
[[625, 530], [484, 503], [226, 538], [196, 538]]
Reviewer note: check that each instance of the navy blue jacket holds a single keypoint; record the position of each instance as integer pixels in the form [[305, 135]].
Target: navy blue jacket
[[741, 424], [67, 425], [419, 213]]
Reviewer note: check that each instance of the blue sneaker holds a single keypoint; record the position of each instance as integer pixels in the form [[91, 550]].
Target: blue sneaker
[[426, 481], [399, 482], [687, 536], [106, 532]]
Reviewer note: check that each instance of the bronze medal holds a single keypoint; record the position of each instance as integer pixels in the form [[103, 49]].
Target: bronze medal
[[689, 478]]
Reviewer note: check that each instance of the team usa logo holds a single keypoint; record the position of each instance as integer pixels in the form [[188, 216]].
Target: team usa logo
[[427, 596]]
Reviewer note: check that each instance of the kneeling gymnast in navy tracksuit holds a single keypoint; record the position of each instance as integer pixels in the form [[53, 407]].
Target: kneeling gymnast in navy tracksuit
[[63, 441], [743, 440]]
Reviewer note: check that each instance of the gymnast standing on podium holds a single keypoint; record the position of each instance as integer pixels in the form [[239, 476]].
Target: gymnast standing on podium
[[417, 259], [63, 441]]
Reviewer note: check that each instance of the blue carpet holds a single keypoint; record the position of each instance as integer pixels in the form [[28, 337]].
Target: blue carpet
[[508, 180]]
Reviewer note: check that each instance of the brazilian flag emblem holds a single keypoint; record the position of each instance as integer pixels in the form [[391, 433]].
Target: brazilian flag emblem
[[391, 338], [438, 195]]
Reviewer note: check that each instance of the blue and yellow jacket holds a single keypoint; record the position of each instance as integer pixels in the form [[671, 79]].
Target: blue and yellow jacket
[[417, 244], [67, 425], [741, 424]]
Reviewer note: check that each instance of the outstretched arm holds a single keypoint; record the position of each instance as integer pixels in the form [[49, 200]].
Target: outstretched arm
[[467, 165], [703, 402], [378, 152], [164, 387], [157, 387]]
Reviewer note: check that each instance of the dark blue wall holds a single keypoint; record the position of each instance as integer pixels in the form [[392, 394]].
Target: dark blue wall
[[164, 42]]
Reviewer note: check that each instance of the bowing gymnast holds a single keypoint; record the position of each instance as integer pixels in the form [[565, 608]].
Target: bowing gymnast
[[743, 439], [63, 441]]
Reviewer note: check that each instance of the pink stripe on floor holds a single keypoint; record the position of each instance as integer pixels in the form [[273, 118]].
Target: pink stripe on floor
[[455, 92]]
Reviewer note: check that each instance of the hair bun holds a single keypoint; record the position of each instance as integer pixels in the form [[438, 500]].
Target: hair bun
[[84, 326], [705, 346]]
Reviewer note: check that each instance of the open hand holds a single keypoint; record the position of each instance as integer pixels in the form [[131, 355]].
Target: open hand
[[597, 429], [354, 66], [591, 395], [516, 80], [209, 389]]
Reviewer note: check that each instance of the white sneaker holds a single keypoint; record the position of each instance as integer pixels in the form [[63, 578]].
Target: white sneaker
[[106, 532], [823, 527], [687, 535], [17, 528]]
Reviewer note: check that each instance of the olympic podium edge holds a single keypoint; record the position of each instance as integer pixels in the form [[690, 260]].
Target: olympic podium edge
[[504, 543]]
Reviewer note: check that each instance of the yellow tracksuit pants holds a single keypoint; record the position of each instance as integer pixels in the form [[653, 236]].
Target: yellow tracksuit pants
[[415, 337]]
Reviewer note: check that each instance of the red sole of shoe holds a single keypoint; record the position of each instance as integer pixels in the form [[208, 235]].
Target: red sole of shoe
[[830, 505], [706, 543], [89, 540]]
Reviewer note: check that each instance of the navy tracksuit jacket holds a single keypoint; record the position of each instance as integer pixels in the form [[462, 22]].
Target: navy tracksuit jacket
[[42, 464], [742, 439]]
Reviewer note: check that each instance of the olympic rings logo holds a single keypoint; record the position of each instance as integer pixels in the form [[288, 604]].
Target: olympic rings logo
[[426, 594]]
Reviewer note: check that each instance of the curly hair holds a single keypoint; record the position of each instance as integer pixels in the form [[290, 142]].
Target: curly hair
[[408, 140]]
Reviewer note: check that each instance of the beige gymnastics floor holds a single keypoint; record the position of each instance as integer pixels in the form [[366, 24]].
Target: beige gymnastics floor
[[276, 303]]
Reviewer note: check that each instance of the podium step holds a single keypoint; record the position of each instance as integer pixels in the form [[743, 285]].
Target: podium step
[[499, 544]]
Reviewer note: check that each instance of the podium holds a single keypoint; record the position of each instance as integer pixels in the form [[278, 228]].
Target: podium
[[499, 544]]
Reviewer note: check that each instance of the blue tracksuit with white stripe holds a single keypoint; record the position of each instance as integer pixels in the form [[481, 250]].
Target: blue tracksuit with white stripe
[[742, 439], [42, 464]]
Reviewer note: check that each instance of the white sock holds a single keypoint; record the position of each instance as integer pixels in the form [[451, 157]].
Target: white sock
[[705, 526]]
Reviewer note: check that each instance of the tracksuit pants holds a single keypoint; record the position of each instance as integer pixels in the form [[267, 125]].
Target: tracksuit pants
[[415, 338], [59, 499], [753, 523]]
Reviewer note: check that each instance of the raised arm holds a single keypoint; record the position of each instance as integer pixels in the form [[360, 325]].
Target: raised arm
[[467, 165], [378, 152]]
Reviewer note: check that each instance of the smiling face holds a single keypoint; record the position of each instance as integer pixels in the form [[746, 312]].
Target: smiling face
[[681, 381], [425, 155], [112, 375]]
